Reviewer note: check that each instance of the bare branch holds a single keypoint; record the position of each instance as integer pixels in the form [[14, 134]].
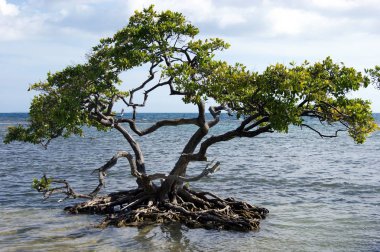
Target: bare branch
[[135, 147], [110, 105], [206, 171], [102, 171], [65, 189], [216, 115], [248, 120], [320, 134], [202, 115], [160, 84], [157, 125], [110, 122], [265, 129], [150, 78], [257, 123], [201, 155]]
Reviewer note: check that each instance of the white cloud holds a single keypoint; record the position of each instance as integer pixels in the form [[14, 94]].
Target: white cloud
[[312, 24], [7, 9], [343, 5], [199, 10], [14, 25], [7, 14], [294, 22]]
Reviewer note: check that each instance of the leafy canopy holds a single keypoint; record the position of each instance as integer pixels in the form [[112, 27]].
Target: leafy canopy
[[84, 94], [287, 94]]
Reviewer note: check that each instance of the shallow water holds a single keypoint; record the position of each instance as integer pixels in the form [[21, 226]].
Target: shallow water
[[323, 194]]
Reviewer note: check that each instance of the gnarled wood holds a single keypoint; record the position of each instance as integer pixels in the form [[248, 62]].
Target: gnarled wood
[[102, 170], [138, 209], [205, 172]]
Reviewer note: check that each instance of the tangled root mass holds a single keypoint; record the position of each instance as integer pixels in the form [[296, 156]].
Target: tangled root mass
[[193, 209]]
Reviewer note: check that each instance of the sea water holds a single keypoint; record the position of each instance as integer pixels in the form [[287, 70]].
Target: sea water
[[322, 194]]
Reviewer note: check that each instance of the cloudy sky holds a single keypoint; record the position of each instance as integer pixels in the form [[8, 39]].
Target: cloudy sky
[[37, 36]]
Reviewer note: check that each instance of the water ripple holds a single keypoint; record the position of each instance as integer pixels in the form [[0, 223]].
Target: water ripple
[[323, 194]]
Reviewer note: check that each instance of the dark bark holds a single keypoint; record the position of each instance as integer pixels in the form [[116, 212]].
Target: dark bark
[[194, 209], [140, 163], [183, 161]]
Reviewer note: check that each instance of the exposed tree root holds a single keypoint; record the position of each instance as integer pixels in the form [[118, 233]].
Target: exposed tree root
[[194, 209]]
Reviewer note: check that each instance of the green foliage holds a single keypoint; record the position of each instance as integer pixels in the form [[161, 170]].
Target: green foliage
[[74, 97], [41, 184], [62, 107], [192, 78], [375, 75], [147, 37], [284, 94]]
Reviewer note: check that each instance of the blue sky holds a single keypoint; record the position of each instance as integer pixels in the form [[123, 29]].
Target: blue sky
[[37, 36]]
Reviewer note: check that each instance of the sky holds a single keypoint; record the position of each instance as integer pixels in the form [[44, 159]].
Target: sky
[[38, 36]]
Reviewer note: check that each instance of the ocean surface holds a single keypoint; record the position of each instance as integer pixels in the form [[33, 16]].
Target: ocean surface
[[322, 194]]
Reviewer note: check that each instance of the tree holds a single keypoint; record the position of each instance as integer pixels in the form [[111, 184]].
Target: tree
[[271, 101]]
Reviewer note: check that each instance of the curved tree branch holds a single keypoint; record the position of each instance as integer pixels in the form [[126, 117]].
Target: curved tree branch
[[113, 161], [201, 155], [157, 125], [135, 147], [257, 123], [102, 171], [64, 189], [206, 171], [320, 134], [150, 78]]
